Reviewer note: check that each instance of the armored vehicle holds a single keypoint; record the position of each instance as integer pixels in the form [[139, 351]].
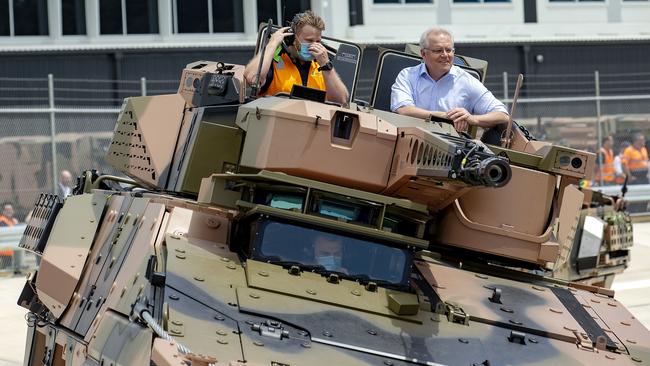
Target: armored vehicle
[[287, 231]]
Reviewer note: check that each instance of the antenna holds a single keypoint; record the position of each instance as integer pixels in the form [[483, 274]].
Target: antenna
[[506, 140], [265, 40]]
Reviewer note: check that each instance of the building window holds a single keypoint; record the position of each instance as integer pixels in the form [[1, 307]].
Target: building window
[[4, 18], [73, 17], [32, 15], [403, 1], [128, 17], [281, 11], [208, 16]]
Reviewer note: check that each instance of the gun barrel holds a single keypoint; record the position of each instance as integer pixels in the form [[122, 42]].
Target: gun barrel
[[490, 172]]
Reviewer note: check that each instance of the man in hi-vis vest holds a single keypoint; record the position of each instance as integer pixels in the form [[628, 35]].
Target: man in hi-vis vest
[[295, 55], [635, 161], [605, 170]]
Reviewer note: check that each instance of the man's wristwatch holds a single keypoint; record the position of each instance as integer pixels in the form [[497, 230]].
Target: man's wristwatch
[[328, 66]]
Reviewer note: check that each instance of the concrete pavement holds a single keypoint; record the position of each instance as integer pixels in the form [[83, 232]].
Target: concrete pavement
[[12, 317]]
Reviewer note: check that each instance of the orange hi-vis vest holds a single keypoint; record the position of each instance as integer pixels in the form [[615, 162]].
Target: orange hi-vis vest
[[6, 221], [607, 170], [636, 160], [286, 74]]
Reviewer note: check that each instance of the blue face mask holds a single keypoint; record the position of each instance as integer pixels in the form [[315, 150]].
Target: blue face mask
[[304, 53], [330, 262]]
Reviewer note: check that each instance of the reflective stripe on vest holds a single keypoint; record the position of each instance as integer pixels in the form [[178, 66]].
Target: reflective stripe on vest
[[636, 159], [286, 74], [607, 168]]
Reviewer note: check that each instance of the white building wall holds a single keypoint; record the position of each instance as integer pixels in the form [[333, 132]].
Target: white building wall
[[494, 13], [633, 12], [571, 13], [609, 20]]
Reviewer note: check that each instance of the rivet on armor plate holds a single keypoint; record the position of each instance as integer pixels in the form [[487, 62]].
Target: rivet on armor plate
[[612, 304], [231, 266], [636, 359], [174, 297], [626, 324], [311, 292], [356, 293], [388, 363], [630, 341], [123, 292], [305, 345], [219, 317], [263, 273], [327, 334], [254, 296], [179, 250], [515, 322], [222, 341], [135, 279], [481, 276], [224, 259], [610, 357], [533, 340], [595, 301], [177, 322], [180, 256], [258, 343], [570, 329], [463, 340], [507, 310], [538, 288], [556, 311], [222, 332], [200, 279], [372, 332]]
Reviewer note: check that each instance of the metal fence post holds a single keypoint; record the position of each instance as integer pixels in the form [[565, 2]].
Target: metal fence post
[[143, 86], [50, 95], [505, 85], [599, 143]]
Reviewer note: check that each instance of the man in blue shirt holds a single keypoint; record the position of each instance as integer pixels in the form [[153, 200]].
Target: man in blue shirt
[[437, 87]]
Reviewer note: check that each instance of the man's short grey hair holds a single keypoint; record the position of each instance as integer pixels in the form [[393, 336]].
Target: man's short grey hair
[[424, 38]]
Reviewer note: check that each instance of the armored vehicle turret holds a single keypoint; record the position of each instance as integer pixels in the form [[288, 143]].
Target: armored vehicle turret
[[287, 231]]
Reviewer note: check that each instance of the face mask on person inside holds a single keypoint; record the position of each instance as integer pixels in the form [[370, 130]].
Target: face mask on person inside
[[304, 53]]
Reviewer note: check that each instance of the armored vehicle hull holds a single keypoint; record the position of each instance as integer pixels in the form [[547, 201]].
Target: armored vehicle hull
[[283, 231]]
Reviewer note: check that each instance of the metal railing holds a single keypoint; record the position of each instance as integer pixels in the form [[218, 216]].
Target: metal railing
[[14, 260], [67, 123]]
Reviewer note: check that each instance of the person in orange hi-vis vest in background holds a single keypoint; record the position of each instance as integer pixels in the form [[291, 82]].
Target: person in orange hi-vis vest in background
[[7, 216], [635, 161], [605, 171], [295, 55]]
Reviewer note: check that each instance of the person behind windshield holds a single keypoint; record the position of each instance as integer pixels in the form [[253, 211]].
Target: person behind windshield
[[305, 61], [438, 88], [328, 252]]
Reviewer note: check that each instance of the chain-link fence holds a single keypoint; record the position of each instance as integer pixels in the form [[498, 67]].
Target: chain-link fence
[[48, 125]]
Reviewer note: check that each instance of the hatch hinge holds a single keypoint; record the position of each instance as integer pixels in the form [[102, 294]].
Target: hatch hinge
[[453, 311], [271, 328]]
